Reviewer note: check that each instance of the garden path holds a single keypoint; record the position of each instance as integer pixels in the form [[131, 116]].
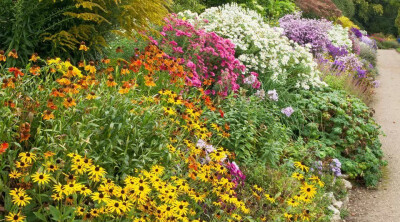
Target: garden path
[[383, 204]]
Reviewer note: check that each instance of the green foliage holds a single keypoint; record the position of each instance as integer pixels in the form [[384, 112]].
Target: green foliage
[[390, 44], [346, 6], [255, 133], [368, 54], [52, 28], [333, 125], [192, 5]]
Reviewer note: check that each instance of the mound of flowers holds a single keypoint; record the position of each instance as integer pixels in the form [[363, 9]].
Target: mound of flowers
[[260, 47]]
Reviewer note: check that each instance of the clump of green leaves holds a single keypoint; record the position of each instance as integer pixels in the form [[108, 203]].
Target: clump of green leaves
[[335, 125]]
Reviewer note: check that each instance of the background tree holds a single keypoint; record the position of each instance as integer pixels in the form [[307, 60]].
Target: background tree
[[319, 8]]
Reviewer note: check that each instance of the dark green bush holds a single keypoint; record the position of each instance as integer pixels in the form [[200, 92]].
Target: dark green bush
[[335, 125], [346, 6]]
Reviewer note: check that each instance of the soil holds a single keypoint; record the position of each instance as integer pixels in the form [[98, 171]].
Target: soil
[[383, 203]]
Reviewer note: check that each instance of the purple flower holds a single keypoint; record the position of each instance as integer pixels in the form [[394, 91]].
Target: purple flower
[[357, 32], [336, 51], [273, 95], [336, 167], [287, 111], [376, 83], [306, 31], [361, 73]]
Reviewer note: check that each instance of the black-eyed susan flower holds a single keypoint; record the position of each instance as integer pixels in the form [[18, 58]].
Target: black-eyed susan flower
[[96, 173], [80, 211], [124, 70], [57, 196], [14, 174], [298, 176], [94, 212], [21, 199], [292, 202], [59, 188], [90, 68], [85, 191], [116, 207], [41, 178], [308, 190], [51, 167], [78, 169], [15, 217], [301, 166], [27, 157], [100, 197]]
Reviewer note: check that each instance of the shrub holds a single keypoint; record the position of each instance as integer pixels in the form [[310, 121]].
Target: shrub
[[210, 58], [306, 31], [345, 127], [346, 22], [346, 6], [339, 37], [320, 8], [256, 135], [367, 53], [261, 48]]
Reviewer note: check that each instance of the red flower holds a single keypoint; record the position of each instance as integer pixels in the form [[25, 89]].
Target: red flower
[[3, 147], [16, 72], [221, 113]]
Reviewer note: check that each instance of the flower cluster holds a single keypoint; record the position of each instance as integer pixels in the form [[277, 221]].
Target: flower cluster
[[209, 57], [339, 37], [260, 47], [336, 167], [304, 31]]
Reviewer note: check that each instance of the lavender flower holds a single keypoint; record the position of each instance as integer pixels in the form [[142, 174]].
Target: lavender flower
[[273, 95], [336, 167], [357, 32], [376, 83], [287, 111], [336, 51]]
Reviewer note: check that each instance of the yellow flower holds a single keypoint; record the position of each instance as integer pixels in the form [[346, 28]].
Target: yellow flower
[[48, 154], [27, 157], [298, 176], [308, 190], [157, 170], [12, 217], [301, 166], [57, 196], [91, 96], [116, 207], [51, 167], [100, 197], [80, 211], [78, 169], [292, 202], [41, 178], [21, 200], [96, 173], [83, 47], [85, 191], [14, 174]]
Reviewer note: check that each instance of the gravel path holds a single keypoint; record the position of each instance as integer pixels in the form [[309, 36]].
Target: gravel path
[[383, 204]]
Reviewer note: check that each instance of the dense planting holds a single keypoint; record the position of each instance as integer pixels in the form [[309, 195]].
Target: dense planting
[[218, 116]]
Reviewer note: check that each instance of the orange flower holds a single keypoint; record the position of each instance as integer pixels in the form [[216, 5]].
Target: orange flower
[[83, 47], [48, 154], [9, 103], [91, 68], [91, 96], [16, 72], [34, 57], [13, 53], [35, 70], [119, 50], [149, 81], [111, 82], [105, 60], [64, 81], [81, 64], [124, 70], [47, 115], [69, 102], [124, 90], [2, 56], [51, 105], [3, 147]]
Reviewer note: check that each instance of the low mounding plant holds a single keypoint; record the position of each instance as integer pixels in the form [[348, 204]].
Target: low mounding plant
[[307, 31], [261, 48], [346, 130]]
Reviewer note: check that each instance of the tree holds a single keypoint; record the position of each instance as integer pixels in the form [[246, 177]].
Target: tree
[[319, 8]]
